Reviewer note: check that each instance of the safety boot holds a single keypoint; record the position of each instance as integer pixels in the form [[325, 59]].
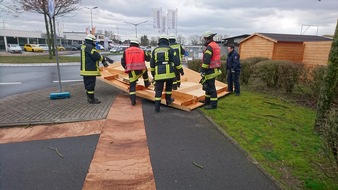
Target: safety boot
[[169, 101], [157, 105], [133, 99], [209, 106], [92, 100]]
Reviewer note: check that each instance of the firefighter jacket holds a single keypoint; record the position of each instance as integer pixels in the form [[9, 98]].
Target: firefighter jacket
[[211, 61], [133, 59], [90, 59], [163, 62], [233, 61], [178, 49]]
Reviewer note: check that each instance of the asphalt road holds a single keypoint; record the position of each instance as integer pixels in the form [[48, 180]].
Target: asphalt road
[[20, 79]]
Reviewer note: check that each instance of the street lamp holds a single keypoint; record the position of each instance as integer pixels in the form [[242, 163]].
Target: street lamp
[[136, 24], [91, 15]]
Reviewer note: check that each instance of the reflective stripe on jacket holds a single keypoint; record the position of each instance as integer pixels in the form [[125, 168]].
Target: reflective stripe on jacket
[[135, 59], [164, 68], [90, 59], [177, 49]]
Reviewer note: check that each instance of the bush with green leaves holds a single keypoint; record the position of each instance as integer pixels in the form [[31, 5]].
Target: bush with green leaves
[[311, 80], [195, 64], [247, 68], [279, 74], [267, 72], [289, 74], [330, 134]]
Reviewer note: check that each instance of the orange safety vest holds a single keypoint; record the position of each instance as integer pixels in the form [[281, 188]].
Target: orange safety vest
[[216, 56], [134, 59]]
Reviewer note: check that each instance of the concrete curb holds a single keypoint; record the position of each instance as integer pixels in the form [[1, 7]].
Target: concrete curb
[[249, 157], [36, 64]]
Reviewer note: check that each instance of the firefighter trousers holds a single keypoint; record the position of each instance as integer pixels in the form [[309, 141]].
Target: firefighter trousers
[[158, 92]]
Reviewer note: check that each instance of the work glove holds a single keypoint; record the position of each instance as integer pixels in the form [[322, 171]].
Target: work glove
[[182, 72], [109, 60], [105, 64]]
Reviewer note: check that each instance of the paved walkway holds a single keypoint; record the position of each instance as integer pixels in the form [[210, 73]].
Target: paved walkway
[[115, 146]]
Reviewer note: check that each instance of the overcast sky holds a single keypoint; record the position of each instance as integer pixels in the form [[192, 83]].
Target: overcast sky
[[226, 17]]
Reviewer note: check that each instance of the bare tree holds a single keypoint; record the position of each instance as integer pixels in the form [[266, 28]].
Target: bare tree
[[153, 41], [195, 40], [181, 39], [10, 7], [62, 7]]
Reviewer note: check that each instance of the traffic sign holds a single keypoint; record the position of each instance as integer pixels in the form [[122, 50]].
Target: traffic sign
[[51, 8]]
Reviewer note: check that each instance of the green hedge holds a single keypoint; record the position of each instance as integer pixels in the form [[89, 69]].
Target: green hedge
[[247, 68], [273, 74]]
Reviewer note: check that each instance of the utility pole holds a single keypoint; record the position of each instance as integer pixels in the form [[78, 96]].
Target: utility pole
[[136, 24]]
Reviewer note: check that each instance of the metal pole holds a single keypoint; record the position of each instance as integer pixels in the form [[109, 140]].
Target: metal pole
[[57, 55], [91, 18]]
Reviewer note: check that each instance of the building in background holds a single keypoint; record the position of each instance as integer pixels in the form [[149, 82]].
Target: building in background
[[307, 49]]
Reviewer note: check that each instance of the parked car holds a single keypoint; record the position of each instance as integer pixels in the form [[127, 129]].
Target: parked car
[[32, 48], [61, 48], [117, 49], [14, 48], [43, 46], [71, 47]]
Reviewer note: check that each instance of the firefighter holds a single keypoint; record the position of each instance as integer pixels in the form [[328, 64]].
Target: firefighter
[[90, 59], [163, 63], [179, 52], [210, 69], [133, 61]]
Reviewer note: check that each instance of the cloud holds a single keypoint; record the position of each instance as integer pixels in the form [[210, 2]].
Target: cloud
[[226, 17]]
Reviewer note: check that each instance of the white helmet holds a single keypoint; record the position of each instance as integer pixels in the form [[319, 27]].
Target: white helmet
[[208, 34], [172, 37], [90, 37], [135, 41], [164, 37]]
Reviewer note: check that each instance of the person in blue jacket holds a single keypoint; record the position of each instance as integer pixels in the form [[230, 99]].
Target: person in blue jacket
[[233, 68]]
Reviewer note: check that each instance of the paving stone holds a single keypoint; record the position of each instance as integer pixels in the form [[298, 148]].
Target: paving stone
[[37, 108]]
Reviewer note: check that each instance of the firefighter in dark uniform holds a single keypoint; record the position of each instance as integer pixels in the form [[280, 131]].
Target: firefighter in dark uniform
[[133, 61], [210, 70], [163, 63], [179, 52], [90, 59]]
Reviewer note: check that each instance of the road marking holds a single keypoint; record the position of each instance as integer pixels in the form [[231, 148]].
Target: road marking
[[69, 80], [9, 83]]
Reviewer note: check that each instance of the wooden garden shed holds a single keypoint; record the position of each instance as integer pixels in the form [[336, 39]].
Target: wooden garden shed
[[296, 48]]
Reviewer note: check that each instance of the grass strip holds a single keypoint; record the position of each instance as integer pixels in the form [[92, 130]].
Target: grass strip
[[279, 135], [38, 59]]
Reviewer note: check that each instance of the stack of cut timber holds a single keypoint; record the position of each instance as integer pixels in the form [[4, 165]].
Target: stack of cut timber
[[186, 97]]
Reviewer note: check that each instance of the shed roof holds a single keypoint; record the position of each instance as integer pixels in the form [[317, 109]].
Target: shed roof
[[239, 36], [289, 37]]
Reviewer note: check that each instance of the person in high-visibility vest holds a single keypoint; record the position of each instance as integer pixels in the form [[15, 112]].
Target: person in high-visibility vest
[[179, 52], [163, 63], [210, 69], [133, 61], [90, 59]]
